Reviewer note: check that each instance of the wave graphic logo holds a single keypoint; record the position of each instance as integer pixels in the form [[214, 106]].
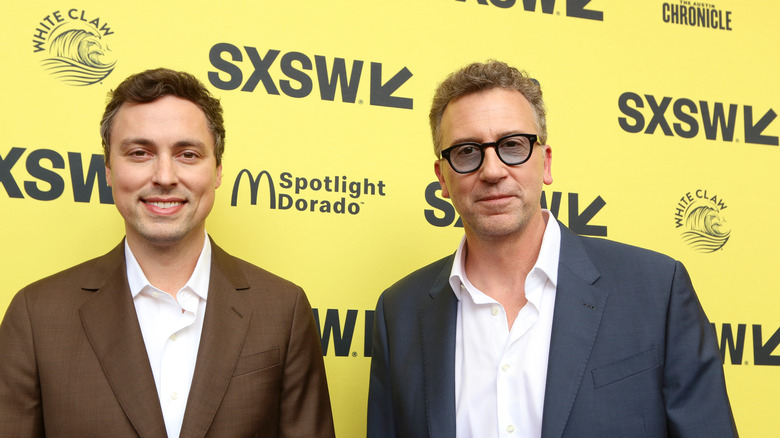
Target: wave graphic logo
[[77, 51], [705, 227]]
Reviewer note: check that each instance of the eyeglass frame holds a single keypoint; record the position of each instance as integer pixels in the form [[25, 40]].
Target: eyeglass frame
[[533, 138]]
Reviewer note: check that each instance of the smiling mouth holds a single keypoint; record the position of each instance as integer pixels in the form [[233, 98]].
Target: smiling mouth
[[165, 205]]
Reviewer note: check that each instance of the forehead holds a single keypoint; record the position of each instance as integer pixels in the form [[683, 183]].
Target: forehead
[[487, 115], [167, 118]]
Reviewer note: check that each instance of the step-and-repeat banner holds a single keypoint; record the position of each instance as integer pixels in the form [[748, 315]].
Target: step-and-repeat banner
[[662, 121]]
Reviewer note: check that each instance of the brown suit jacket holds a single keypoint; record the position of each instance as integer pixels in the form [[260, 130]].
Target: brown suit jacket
[[73, 361]]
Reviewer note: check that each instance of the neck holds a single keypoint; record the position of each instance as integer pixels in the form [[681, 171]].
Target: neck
[[168, 267], [498, 266]]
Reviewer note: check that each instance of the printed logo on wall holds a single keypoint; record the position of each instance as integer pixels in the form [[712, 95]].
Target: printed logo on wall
[[300, 74], [687, 118], [443, 214], [73, 46], [696, 14], [306, 194], [574, 8], [701, 217]]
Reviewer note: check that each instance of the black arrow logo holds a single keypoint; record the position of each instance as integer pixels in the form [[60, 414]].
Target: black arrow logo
[[762, 353], [579, 222], [753, 133], [382, 95]]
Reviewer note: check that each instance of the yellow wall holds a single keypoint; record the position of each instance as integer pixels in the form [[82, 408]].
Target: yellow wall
[[600, 65]]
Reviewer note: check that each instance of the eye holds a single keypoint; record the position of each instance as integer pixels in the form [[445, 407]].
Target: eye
[[189, 155], [466, 150], [513, 143], [515, 148]]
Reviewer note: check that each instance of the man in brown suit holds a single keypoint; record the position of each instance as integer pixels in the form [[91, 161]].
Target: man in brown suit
[[167, 334]]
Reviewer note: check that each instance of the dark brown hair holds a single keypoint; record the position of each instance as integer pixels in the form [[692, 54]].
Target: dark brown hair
[[149, 85]]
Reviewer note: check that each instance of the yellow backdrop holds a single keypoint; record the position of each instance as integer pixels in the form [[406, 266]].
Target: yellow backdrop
[[661, 116]]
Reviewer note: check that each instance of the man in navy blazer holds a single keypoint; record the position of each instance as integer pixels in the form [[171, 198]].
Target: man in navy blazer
[[529, 330]]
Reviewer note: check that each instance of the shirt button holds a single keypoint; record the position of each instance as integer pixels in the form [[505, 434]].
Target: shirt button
[[173, 337], [175, 395], [494, 310], [510, 428], [155, 294], [505, 366]]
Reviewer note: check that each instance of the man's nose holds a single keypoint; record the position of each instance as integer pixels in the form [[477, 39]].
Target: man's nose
[[165, 171], [492, 168]]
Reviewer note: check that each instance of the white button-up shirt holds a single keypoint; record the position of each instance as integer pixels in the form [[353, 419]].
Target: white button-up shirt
[[171, 330], [500, 374]]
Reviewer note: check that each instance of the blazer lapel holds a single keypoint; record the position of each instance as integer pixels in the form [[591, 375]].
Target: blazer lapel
[[111, 326], [437, 335], [579, 305], [224, 330]]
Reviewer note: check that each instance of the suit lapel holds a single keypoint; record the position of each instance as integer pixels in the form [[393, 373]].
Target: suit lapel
[[224, 330], [111, 326], [437, 334], [579, 305]]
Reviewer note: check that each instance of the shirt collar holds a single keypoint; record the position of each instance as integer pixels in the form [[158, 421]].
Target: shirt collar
[[198, 282], [547, 262]]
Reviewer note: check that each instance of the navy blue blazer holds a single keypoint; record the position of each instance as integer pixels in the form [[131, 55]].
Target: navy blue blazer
[[632, 353]]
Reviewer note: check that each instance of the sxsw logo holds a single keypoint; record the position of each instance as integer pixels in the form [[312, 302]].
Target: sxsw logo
[[688, 119], [38, 176], [246, 68], [442, 213], [574, 8], [734, 343], [341, 328]]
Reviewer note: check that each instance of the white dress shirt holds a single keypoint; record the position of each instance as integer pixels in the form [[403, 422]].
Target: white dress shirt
[[500, 374], [171, 330]]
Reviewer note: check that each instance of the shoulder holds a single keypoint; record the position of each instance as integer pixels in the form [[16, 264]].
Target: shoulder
[[610, 255], [88, 275], [259, 277], [60, 295], [279, 308], [423, 278], [418, 284], [254, 282], [617, 265], [616, 249]]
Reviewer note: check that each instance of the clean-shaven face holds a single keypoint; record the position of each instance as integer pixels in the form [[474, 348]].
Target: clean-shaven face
[[163, 169]]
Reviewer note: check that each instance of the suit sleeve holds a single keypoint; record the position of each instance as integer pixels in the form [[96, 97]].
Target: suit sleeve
[[305, 403], [694, 385], [380, 403], [21, 413]]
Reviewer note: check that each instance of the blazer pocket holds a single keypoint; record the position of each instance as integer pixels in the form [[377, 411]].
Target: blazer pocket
[[627, 367], [256, 362]]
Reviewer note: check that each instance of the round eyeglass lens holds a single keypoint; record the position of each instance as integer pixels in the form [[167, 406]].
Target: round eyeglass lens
[[514, 150], [466, 157]]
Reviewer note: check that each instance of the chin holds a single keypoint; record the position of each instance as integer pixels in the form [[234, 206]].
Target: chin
[[496, 230], [162, 236]]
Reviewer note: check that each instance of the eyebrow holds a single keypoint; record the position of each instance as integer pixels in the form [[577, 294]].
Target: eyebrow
[[187, 142], [476, 140]]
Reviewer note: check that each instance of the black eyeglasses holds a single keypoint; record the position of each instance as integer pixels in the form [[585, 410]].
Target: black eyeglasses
[[511, 150]]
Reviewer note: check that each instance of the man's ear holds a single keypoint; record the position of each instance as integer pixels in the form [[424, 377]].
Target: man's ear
[[440, 175], [547, 150]]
